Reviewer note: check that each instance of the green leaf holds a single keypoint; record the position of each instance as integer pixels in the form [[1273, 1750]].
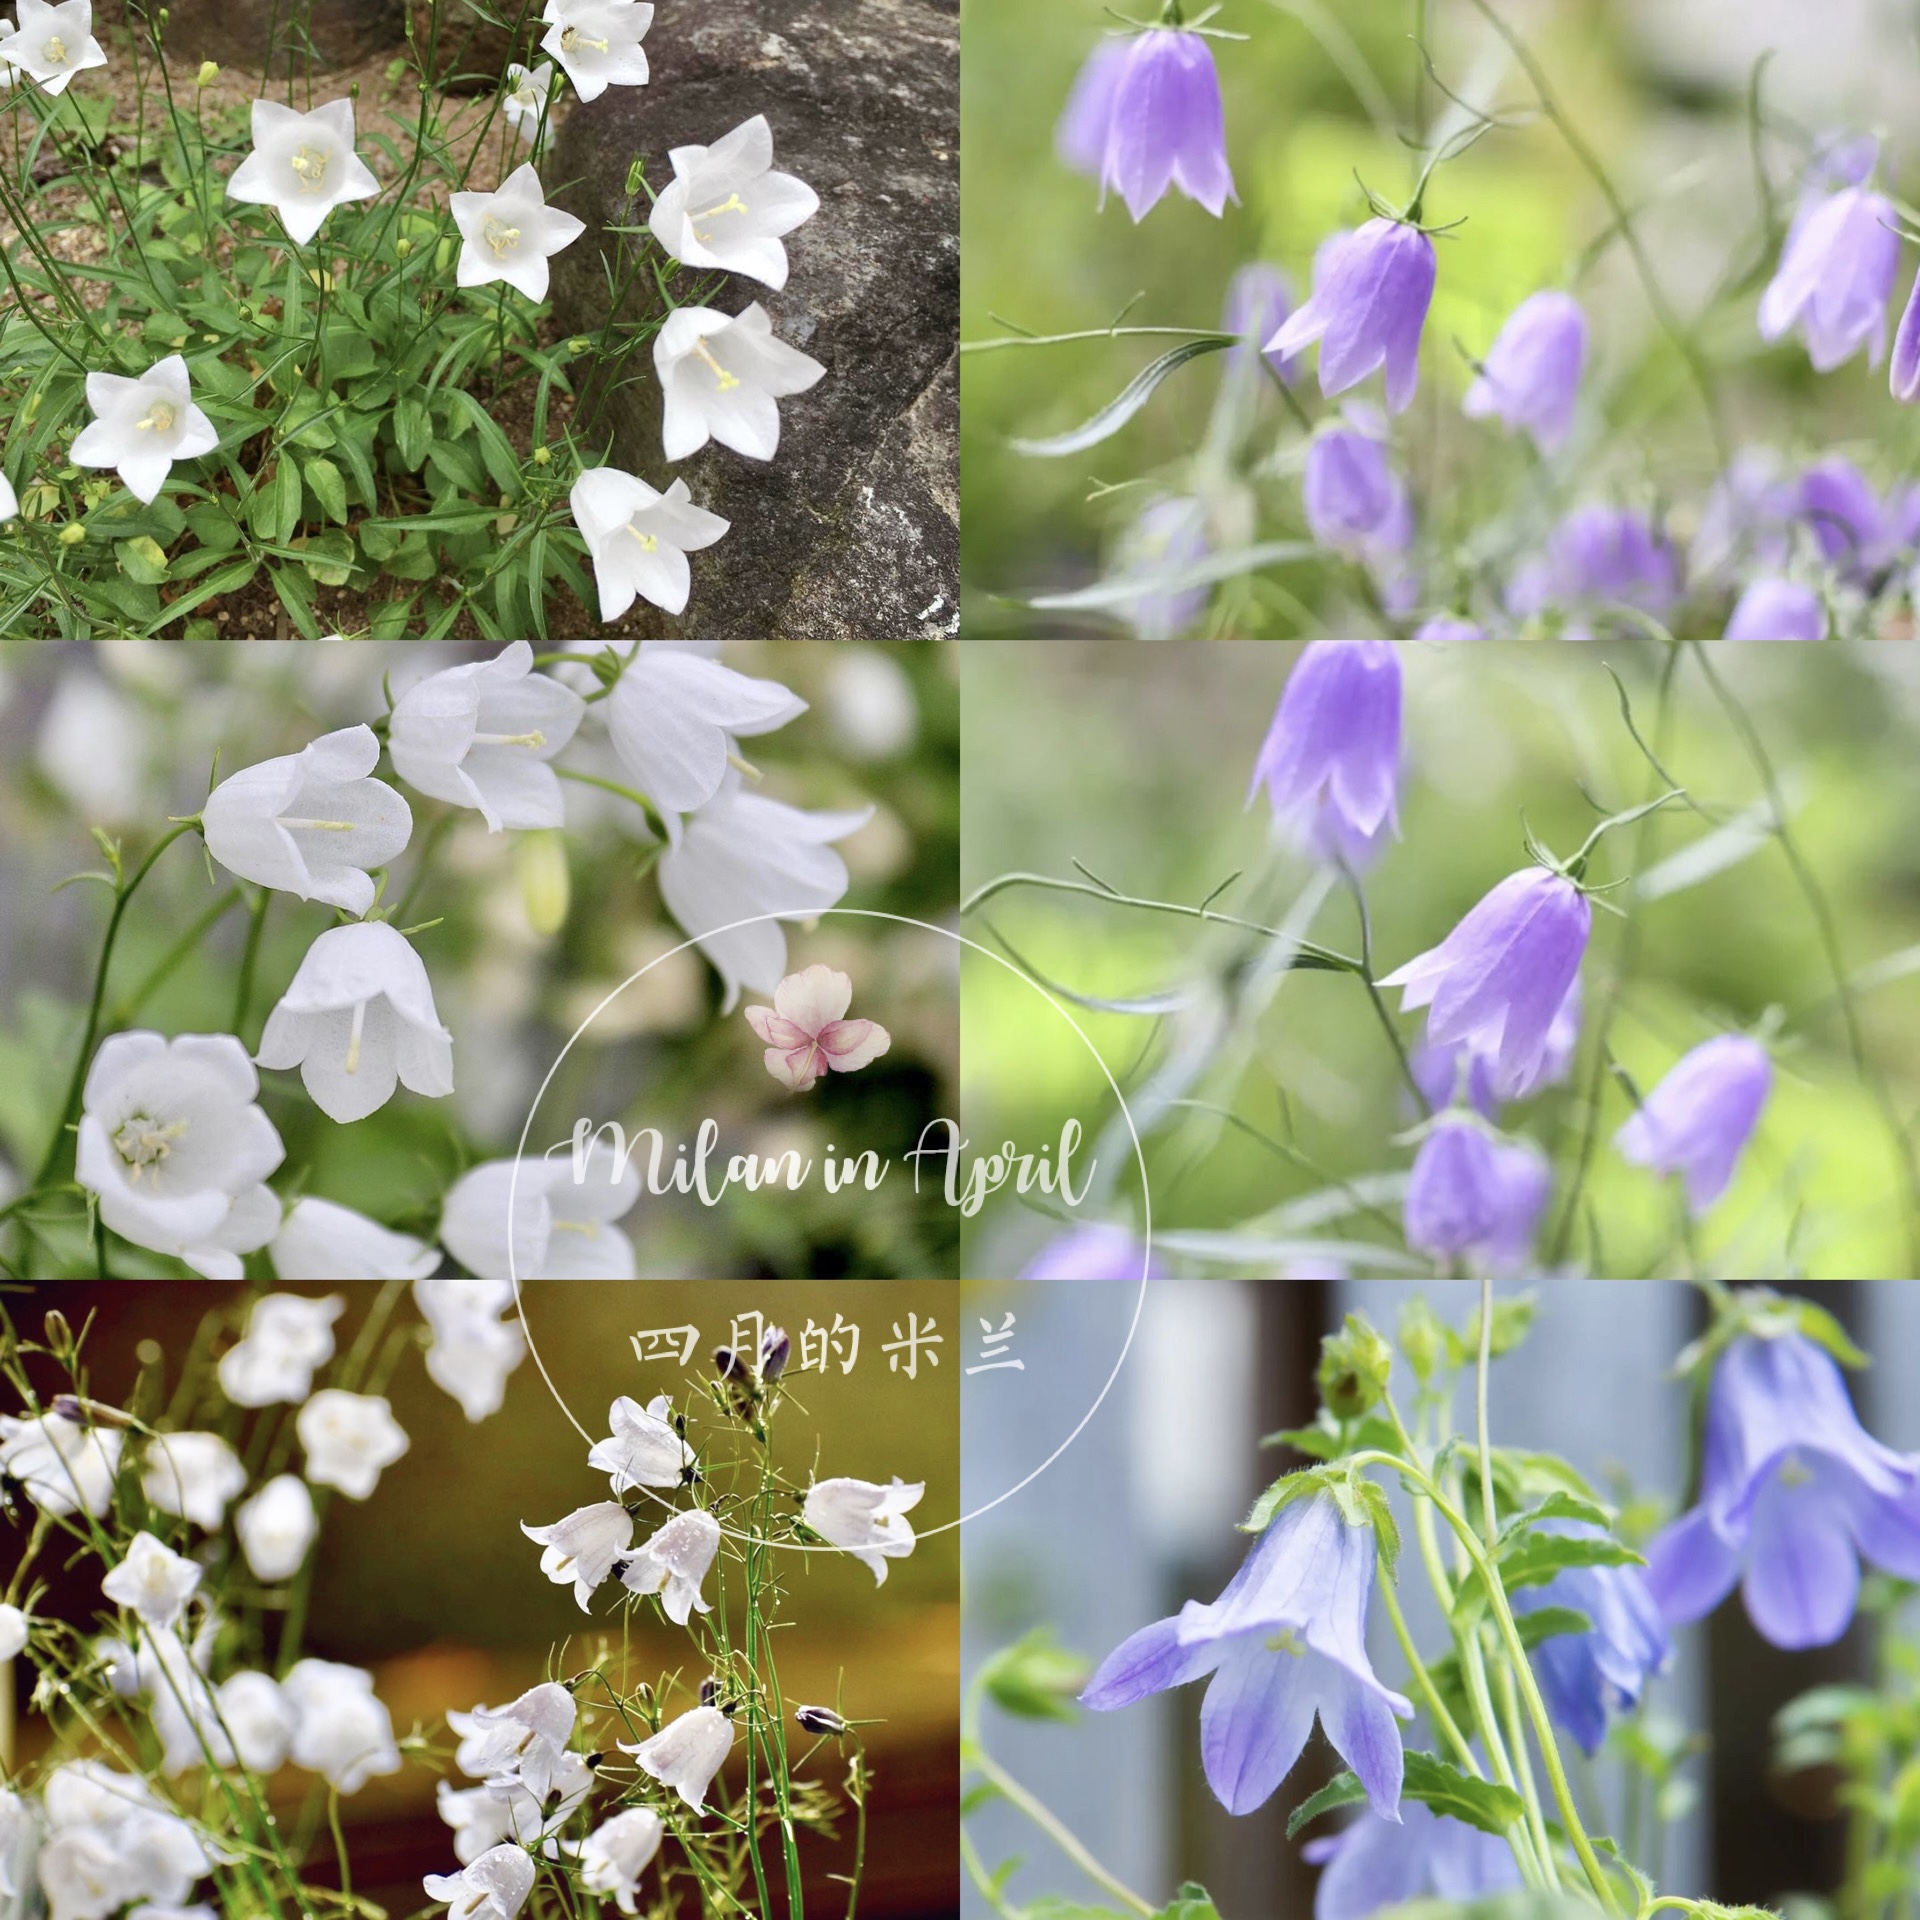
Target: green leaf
[[1436, 1784], [502, 463], [143, 560], [1192, 1902], [329, 487], [1131, 398], [1034, 1678], [412, 431], [1556, 1506], [329, 557], [454, 464], [1103, 595]]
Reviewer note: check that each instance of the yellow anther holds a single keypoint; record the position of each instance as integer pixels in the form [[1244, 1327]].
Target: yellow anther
[[144, 1146], [56, 51], [731, 204], [648, 544], [499, 236], [158, 418], [533, 739], [310, 163], [572, 40], [320, 826], [728, 381]]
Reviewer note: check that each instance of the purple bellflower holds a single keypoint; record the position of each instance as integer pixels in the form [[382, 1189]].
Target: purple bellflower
[[1586, 1676], [1531, 377], [1794, 1494], [1369, 311], [1904, 375], [1777, 610], [1838, 502], [1169, 535], [1373, 1863], [1699, 1118], [1835, 277], [1474, 1198], [1094, 1251], [1746, 521], [1148, 118], [1461, 1072], [1285, 1641], [1598, 556], [1331, 759], [1502, 975], [1259, 299], [1355, 502]]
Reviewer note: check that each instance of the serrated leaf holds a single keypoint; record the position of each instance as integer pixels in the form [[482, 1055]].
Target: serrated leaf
[[1556, 1506], [1119, 410], [1434, 1782]]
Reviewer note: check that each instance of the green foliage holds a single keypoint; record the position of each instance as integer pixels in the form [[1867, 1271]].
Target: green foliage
[[1355, 1365], [1035, 1678], [1443, 1787]]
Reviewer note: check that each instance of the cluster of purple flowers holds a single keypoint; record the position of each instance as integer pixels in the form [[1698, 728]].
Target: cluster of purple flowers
[[1819, 553]]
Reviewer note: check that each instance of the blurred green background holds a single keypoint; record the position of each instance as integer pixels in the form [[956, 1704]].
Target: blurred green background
[[122, 735], [1136, 761], [1319, 93]]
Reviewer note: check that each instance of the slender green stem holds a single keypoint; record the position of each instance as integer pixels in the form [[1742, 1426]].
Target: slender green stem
[[175, 956], [982, 1880], [244, 991], [1444, 1722], [1093, 333], [1380, 1009], [1056, 1830]]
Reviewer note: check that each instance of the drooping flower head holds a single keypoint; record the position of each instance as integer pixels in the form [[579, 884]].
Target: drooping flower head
[[474, 1349], [1698, 1120], [277, 1527], [342, 1731], [1374, 1863], [1145, 115], [1846, 516], [686, 1753], [1370, 311], [722, 378], [1285, 1641], [1531, 377], [533, 1220], [727, 206], [322, 1240], [1586, 1676], [1502, 975], [303, 165], [581, 1549], [493, 1887], [1835, 277], [864, 1519], [639, 538], [1794, 1494], [617, 1852], [1777, 610], [644, 1448], [1600, 556], [523, 99], [511, 234], [1461, 1073], [1331, 759], [674, 1562], [1355, 502], [141, 427], [1472, 1197]]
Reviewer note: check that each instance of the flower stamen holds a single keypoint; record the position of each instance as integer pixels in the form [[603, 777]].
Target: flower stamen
[[158, 418], [648, 544], [56, 50], [320, 826], [310, 165], [731, 204], [572, 40], [144, 1145], [353, 1039], [533, 739], [728, 381], [499, 236]]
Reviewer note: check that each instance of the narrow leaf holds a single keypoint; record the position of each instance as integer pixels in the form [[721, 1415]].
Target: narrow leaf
[[1118, 411]]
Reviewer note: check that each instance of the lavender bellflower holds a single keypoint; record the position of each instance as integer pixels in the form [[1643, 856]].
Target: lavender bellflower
[[1284, 1642], [1531, 377], [1699, 1118], [1794, 1494], [1331, 759], [1369, 311], [1374, 1863], [1834, 279], [1147, 117], [1355, 502], [1502, 975], [1474, 1198], [1777, 610]]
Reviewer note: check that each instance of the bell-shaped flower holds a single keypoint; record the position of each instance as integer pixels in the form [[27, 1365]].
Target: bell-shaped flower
[[646, 1448], [493, 1887], [1904, 374], [349, 1439], [1600, 556], [109, 1841], [1502, 975], [743, 864], [1462, 1074], [722, 378], [1530, 379], [194, 1475], [1698, 1120], [481, 736], [1285, 1640], [581, 1549], [342, 1731], [726, 206], [14, 1627], [806, 1031], [1259, 300], [497, 1740], [509, 1808], [176, 1151], [1835, 277], [674, 716], [686, 1753], [50, 44], [639, 539], [310, 823], [473, 1349], [617, 1852], [1370, 311], [358, 1019], [1165, 540], [674, 1562], [302, 165], [510, 234], [287, 1337], [1095, 1250], [1146, 116], [1848, 519], [598, 42], [1372, 1863], [277, 1527], [524, 98], [1587, 1676], [868, 1521], [533, 1220], [322, 1240], [152, 1581], [258, 1718], [141, 427], [1355, 503], [1474, 1198], [1794, 1494], [1331, 759], [1777, 610], [62, 1466]]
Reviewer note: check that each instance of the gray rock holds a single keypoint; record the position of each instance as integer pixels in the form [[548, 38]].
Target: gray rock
[[853, 531], [243, 33]]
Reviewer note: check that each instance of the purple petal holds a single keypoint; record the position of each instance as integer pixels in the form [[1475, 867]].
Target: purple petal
[[1691, 1568], [1802, 1576], [1253, 1724], [1361, 1724], [1149, 1661]]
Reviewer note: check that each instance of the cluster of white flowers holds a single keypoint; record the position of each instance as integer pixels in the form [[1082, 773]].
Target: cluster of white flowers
[[172, 1141], [727, 209]]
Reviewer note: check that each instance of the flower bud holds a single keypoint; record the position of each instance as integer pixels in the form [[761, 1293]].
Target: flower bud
[[542, 861], [208, 74], [820, 1720], [1354, 1366], [775, 1350], [636, 176], [727, 1364], [1422, 1338], [403, 246], [72, 534], [709, 1689], [541, 457]]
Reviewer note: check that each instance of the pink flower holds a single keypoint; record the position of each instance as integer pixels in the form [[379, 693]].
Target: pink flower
[[806, 1032]]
